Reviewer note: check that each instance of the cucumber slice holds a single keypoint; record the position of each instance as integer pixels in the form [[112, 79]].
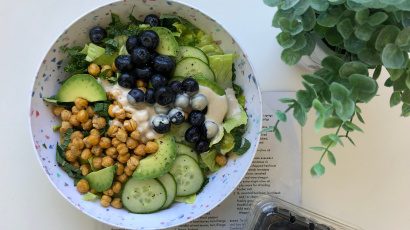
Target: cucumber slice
[[188, 175], [186, 150], [191, 67], [159, 163], [101, 180], [170, 186], [167, 43], [143, 196], [189, 51]]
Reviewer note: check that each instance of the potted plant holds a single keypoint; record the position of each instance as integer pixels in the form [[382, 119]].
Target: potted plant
[[361, 36]]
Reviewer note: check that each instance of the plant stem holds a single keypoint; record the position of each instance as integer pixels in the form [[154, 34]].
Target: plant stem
[[277, 122], [328, 146]]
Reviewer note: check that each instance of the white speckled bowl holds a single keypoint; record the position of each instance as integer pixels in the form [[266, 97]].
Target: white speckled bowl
[[51, 72]]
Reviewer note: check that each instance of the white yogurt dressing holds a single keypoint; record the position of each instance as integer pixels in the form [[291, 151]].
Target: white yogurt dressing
[[217, 105], [142, 114], [233, 104]]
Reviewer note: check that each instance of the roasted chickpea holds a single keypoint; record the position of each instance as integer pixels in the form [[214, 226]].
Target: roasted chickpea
[[108, 192], [115, 142], [128, 115], [93, 139], [121, 135], [131, 143], [112, 131], [70, 156], [106, 69], [90, 111], [75, 110], [95, 132], [96, 150], [111, 110], [116, 187], [78, 143], [123, 158], [99, 122], [57, 110], [82, 116], [105, 201], [80, 103], [88, 125], [133, 162], [64, 126], [113, 67], [83, 186], [128, 171], [85, 154], [65, 115], [77, 134], [130, 125], [220, 160], [122, 178], [122, 149], [136, 135], [151, 147], [112, 152], [85, 169], [97, 163], [74, 121], [105, 142], [120, 114], [107, 161], [75, 164], [120, 168], [93, 69], [116, 203], [140, 150]]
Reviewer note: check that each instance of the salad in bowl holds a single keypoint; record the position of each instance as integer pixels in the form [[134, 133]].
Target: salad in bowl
[[145, 114]]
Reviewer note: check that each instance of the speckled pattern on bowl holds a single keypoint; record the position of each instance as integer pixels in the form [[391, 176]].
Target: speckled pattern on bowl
[[47, 82]]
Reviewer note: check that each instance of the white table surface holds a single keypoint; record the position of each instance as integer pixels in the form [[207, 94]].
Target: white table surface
[[369, 188]]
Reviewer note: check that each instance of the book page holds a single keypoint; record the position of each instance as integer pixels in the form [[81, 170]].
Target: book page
[[276, 169]]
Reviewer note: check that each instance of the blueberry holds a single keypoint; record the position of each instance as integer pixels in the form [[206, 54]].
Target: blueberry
[[199, 102], [97, 34], [152, 20], [150, 96], [192, 134], [158, 80], [190, 86], [126, 80], [140, 56], [132, 43], [123, 63], [164, 96], [182, 101], [196, 117], [143, 73], [202, 146], [176, 115], [135, 96], [161, 123], [164, 64], [176, 86], [209, 129], [149, 39]]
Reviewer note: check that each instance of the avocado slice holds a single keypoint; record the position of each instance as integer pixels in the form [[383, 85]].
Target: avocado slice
[[102, 179], [81, 85], [168, 45], [159, 163]]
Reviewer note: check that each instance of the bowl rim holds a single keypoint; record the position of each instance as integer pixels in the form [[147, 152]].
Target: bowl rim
[[211, 207]]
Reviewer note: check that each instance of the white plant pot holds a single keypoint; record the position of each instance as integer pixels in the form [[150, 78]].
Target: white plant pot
[[313, 61]]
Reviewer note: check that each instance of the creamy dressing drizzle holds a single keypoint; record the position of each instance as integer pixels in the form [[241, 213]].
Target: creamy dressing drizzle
[[217, 105]]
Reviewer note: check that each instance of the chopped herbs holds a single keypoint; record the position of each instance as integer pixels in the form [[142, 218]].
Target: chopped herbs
[[76, 60]]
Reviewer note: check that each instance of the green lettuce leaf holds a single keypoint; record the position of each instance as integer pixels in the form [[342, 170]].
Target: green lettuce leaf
[[209, 159], [190, 199], [92, 51], [227, 143], [236, 115], [218, 136], [90, 196], [222, 67]]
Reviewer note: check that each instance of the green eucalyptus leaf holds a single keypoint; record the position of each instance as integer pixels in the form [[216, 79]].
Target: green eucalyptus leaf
[[285, 40], [272, 3], [287, 100], [319, 123], [393, 57], [332, 122], [405, 16], [361, 16], [278, 135], [299, 113], [408, 81], [377, 18], [353, 5], [364, 88], [395, 74], [320, 31], [315, 80], [331, 157], [333, 37], [319, 5], [281, 116], [287, 14], [290, 57], [317, 170], [345, 28], [336, 2], [306, 97], [403, 39], [405, 96], [287, 4], [395, 99], [359, 116], [291, 26], [353, 126], [377, 72], [330, 140], [301, 7], [400, 84], [351, 141], [387, 35], [332, 63], [330, 18], [369, 56], [310, 45], [341, 100], [389, 83], [364, 32], [300, 42], [317, 148], [354, 45], [391, 2], [319, 106], [353, 67], [405, 110], [308, 20]]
